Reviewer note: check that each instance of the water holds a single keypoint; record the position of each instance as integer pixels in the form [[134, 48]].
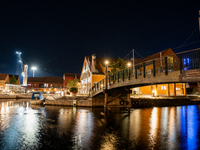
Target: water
[[54, 127]]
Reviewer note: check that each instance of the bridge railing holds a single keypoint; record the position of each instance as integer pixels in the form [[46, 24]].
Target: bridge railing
[[176, 62]]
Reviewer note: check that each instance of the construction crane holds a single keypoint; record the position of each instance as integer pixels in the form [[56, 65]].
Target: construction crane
[[23, 71]]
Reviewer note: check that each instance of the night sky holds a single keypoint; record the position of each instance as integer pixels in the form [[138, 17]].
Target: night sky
[[55, 36]]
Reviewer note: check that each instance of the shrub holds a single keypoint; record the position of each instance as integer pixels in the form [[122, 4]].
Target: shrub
[[73, 90]]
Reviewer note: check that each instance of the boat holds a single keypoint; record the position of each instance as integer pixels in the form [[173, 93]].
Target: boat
[[37, 98]]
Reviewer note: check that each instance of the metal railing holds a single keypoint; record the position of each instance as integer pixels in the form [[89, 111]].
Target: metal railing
[[176, 62]]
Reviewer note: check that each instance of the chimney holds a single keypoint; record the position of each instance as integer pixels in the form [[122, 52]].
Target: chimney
[[93, 63]]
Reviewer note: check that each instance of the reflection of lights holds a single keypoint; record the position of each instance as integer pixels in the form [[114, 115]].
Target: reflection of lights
[[135, 125], [172, 128], [153, 125], [110, 141], [164, 120]]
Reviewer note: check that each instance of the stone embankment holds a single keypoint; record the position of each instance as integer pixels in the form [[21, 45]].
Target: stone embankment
[[15, 96], [164, 101], [68, 101]]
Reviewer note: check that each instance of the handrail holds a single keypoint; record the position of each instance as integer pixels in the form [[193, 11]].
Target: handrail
[[166, 67]]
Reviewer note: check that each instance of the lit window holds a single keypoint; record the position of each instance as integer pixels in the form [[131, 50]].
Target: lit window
[[164, 87], [161, 87]]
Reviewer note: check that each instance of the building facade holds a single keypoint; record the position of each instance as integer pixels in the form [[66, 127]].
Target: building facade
[[93, 71], [45, 84]]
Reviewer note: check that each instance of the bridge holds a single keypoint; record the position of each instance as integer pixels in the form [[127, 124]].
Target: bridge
[[181, 67]]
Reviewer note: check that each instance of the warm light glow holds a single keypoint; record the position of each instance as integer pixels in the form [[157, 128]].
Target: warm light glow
[[106, 62], [34, 68], [129, 64]]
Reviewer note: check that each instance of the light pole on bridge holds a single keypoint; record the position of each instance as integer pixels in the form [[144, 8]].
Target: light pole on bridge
[[106, 86]]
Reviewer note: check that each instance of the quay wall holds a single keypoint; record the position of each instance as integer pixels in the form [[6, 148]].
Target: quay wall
[[86, 103]]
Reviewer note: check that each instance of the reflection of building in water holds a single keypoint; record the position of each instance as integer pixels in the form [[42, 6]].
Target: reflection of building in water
[[153, 127], [65, 119], [135, 126], [192, 127], [84, 127]]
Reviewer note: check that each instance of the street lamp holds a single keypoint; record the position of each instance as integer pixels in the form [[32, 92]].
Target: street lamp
[[129, 64], [129, 72], [34, 68], [106, 94], [106, 62]]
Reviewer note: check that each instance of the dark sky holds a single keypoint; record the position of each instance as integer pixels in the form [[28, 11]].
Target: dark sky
[[55, 36]]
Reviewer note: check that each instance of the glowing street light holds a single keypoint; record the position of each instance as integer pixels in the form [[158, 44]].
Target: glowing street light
[[106, 94], [129, 64], [33, 68]]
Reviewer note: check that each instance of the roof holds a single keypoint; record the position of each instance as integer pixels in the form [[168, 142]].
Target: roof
[[46, 79], [35, 79], [72, 75], [153, 56], [99, 61], [3, 76], [53, 79]]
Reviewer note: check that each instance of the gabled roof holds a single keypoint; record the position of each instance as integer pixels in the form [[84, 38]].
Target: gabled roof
[[3, 76], [99, 61], [153, 56]]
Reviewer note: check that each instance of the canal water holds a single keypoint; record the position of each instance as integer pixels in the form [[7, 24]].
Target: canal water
[[23, 126]]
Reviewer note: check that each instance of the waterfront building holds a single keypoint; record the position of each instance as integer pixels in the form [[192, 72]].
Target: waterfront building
[[173, 63], [45, 84], [6, 86], [93, 71], [50, 84], [4, 79]]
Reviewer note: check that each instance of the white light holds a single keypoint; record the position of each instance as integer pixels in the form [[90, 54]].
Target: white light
[[34, 68]]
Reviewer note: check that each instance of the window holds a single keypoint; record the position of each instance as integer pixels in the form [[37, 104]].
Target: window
[[164, 87], [35, 84], [170, 60], [161, 87]]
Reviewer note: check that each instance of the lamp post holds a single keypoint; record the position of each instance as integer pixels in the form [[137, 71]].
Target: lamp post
[[106, 86], [34, 68], [106, 62], [129, 64]]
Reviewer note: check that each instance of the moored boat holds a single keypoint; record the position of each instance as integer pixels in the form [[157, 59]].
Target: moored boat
[[37, 98]]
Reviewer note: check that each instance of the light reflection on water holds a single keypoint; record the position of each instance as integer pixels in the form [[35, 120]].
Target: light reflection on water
[[52, 127]]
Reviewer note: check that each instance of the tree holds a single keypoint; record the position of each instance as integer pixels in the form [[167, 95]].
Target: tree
[[118, 65], [13, 80], [72, 83]]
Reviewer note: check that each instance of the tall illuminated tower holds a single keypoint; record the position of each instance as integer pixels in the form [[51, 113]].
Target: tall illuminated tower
[[25, 75]]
